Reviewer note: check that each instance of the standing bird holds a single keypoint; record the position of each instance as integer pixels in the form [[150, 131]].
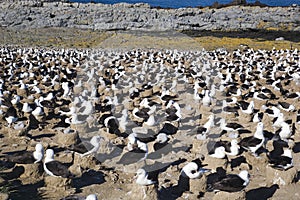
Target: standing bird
[[112, 125], [253, 143], [55, 168], [230, 182], [207, 126], [277, 121], [284, 132], [206, 101]]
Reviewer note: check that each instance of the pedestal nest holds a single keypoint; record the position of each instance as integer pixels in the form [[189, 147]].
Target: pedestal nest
[[230, 195], [275, 176], [144, 192]]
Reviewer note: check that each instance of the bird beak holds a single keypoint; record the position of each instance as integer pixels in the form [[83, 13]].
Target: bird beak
[[202, 170], [134, 178]]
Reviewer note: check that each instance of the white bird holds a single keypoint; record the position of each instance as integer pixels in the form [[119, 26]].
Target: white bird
[[253, 143], [219, 152], [38, 154], [277, 122], [74, 119], [210, 122], [26, 157], [206, 101], [38, 111], [11, 116], [193, 170], [49, 97], [53, 167], [87, 148], [234, 148], [77, 197], [16, 99], [285, 131], [144, 178], [26, 108], [250, 108], [230, 182], [65, 87], [123, 121]]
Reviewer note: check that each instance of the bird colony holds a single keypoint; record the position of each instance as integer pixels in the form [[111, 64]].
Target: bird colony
[[150, 124]]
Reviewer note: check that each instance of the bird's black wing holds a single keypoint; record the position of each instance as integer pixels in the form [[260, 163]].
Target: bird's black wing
[[145, 138], [20, 157], [169, 129], [216, 177], [153, 175], [280, 161], [157, 146], [82, 147], [241, 131], [231, 183], [234, 125], [212, 145], [73, 197], [58, 169], [250, 142]]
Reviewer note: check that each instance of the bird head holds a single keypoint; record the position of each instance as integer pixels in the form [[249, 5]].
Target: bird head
[[161, 138], [49, 155], [39, 147], [96, 140], [245, 176], [91, 197]]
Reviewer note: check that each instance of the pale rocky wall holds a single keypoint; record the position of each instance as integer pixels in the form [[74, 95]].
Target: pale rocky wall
[[34, 14]]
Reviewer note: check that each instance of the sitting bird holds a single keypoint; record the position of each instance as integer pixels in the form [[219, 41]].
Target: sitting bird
[[230, 182], [55, 168]]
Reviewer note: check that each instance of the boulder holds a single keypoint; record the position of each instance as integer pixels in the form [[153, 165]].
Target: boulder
[[2, 182], [4, 196], [275, 176]]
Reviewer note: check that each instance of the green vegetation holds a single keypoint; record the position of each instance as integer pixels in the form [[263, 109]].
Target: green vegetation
[[78, 38]]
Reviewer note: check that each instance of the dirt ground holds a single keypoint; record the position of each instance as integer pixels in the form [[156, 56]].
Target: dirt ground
[[118, 185], [75, 38]]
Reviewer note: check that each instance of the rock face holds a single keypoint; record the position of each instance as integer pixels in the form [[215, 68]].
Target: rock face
[[30, 14]]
